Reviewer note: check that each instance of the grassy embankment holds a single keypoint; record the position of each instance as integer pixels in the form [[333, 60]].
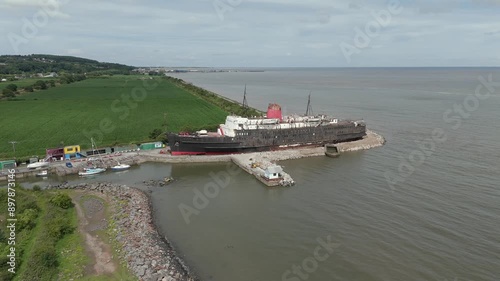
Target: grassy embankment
[[48, 245], [44, 220], [226, 104], [104, 109]]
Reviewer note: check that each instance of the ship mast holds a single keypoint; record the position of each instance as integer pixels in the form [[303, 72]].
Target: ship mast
[[245, 103], [309, 110]]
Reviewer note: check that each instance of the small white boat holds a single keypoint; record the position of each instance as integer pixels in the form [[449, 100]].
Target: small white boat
[[36, 165], [43, 173], [91, 171], [120, 167]]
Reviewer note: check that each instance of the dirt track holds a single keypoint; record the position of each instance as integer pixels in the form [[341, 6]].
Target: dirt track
[[91, 219]]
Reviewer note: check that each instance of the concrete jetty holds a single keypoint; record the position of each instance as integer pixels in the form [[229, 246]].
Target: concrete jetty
[[263, 169]]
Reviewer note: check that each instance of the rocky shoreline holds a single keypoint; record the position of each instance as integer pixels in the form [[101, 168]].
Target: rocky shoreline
[[148, 256]]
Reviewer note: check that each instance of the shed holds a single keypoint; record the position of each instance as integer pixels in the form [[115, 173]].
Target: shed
[[273, 172], [57, 153], [71, 149], [151, 145], [128, 148], [7, 164]]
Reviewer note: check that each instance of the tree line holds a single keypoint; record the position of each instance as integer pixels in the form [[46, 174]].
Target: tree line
[[31, 64]]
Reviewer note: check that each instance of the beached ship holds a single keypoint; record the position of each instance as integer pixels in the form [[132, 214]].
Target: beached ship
[[272, 132]]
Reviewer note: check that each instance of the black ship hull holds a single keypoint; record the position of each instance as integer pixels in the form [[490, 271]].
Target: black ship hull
[[265, 139]]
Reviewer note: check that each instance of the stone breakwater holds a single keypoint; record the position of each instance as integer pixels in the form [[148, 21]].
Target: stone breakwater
[[146, 253], [371, 140]]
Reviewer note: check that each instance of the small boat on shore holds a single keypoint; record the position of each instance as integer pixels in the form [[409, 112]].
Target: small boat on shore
[[120, 167], [36, 165], [43, 173], [91, 171]]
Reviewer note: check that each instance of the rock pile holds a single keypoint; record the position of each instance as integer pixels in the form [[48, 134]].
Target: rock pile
[[156, 183], [147, 255]]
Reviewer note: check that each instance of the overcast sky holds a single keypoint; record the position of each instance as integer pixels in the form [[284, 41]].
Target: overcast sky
[[260, 33]]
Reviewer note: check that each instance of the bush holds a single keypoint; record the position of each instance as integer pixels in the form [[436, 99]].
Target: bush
[[8, 93], [27, 219], [4, 274], [3, 237], [62, 200], [42, 262], [12, 87], [40, 84], [36, 188], [28, 202], [59, 227]]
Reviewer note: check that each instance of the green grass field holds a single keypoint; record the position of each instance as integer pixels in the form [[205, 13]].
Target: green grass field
[[101, 108]]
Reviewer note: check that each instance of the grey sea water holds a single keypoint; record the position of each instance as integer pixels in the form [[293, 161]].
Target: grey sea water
[[440, 222], [436, 219]]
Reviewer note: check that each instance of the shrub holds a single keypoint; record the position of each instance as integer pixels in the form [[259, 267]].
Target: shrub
[[28, 202], [62, 200], [42, 259], [40, 84], [4, 274], [27, 219], [12, 87], [59, 227], [3, 238], [8, 93]]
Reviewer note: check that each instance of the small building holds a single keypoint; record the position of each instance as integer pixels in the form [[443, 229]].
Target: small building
[[55, 153], [72, 151], [97, 151], [4, 80], [273, 172], [151, 145], [128, 148], [7, 164]]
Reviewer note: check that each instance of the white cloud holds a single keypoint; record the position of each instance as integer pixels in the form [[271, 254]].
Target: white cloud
[[258, 32]]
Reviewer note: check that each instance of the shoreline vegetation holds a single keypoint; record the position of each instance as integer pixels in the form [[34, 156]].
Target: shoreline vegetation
[[44, 221]]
